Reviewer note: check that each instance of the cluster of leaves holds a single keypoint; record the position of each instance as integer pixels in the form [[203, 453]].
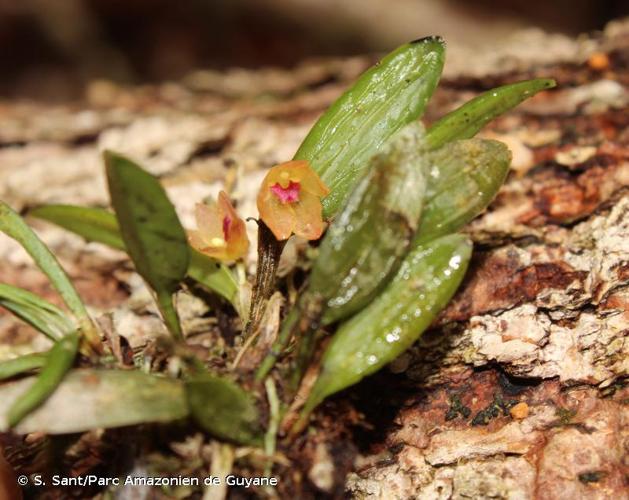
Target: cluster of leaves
[[395, 193]]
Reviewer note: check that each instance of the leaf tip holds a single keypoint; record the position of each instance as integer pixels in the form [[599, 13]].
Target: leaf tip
[[429, 39]]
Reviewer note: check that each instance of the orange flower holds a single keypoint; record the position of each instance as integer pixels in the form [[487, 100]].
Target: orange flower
[[290, 200], [221, 233]]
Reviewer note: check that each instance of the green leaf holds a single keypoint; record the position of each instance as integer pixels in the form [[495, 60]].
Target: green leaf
[[97, 224], [366, 242], [464, 178], [223, 409], [13, 225], [465, 121], [95, 399], [425, 282], [386, 97], [215, 276], [37, 312], [58, 361], [151, 231], [23, 364], [93, 224]]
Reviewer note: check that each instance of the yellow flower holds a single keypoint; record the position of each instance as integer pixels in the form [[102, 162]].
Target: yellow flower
[[221, 233], [290, 201]]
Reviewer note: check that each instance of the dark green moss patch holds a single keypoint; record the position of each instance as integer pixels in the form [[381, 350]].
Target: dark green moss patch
[[493, 410], [591, 476], [457, 408]]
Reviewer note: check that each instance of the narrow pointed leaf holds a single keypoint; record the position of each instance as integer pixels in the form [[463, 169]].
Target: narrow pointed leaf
[[58, 361], [13, 225], [464, 178], [95, 399], [367, 241], [224, 409], [386, 97], [37, 312], [151, 231], [424, 284], [93, 224], [465, 121], [23, 364], [97, 224]]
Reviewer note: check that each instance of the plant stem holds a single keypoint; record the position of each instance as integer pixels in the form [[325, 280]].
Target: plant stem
[[289, 325], [269, 252]]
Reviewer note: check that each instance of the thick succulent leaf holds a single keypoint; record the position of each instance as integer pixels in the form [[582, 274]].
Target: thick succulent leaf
[[37, 312], [97, 224], [224, 409], [58, 361], [425, 282], [386, 97], [151, 231], [465, 121], [94, 399], [464, 178], [15, 227], [23, 364], [366, 242]]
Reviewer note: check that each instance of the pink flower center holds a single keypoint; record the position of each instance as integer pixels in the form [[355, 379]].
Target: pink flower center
[[289, 194], [227, 224]]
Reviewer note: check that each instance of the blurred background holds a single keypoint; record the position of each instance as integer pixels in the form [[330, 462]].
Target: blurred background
[[49, 49]]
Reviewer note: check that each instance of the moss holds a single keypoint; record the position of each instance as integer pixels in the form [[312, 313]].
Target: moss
[[493, 410], [457, 408], [591, 476], [565, 415]]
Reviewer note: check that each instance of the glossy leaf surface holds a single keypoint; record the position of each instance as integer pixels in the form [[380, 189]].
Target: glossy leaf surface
[[425, 282], [386, 97], [369, 237], [463, 179], [465, 121]]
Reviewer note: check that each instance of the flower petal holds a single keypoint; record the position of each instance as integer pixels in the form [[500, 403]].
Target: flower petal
[[195, 240], [279, 217], [310, 181], [209, 221], [308, 217], [221, 234]]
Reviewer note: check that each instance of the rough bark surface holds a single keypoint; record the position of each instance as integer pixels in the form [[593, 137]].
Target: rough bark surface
[[518, 391]]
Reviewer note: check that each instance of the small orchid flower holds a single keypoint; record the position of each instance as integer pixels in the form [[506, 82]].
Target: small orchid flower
[[290, 201], [221, 233]]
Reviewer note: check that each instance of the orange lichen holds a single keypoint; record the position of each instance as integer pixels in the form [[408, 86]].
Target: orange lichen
[[598, 61], [519, 411], [220, 232], [290, 201]]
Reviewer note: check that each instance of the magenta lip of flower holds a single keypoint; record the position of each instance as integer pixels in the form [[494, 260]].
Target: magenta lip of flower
[[227, 222], [288, 194]]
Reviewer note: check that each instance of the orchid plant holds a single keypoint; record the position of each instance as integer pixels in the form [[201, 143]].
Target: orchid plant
[[388, 259]]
